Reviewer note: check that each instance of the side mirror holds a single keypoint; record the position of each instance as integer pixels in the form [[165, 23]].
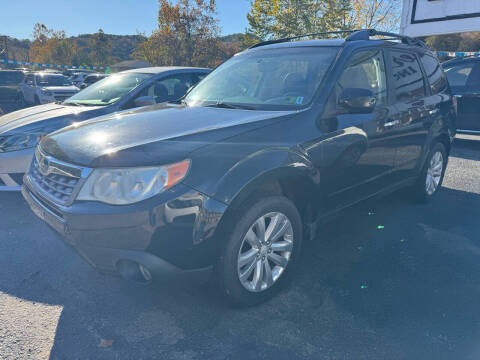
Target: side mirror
[[144, 101], [357, 101]]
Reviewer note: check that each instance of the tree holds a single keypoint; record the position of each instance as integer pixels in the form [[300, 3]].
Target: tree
[[187, 35], [377, 14], [455, 42], [51, 46], [101, 49], [282, 18]]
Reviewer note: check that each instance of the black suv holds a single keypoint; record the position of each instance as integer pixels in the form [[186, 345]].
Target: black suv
[[229, 179], [464, 78], [10, 91]]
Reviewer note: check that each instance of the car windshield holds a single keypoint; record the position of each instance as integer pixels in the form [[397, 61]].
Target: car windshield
[[108, 90], [10, 77], [277, 79], [52, 80]]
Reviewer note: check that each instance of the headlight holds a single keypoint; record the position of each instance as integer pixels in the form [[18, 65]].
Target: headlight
[[130, 185], [15, 142]]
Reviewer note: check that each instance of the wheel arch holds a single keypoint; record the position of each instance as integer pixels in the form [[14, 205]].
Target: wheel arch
[[444, 139], [296, 179]]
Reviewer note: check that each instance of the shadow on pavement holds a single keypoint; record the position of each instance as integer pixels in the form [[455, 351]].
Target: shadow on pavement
[[386, 279], [467, 147]]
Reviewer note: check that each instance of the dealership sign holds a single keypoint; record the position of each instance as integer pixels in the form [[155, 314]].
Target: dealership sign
[[436, 17]]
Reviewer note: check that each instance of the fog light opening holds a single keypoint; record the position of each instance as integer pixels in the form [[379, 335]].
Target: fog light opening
[[134, 271]]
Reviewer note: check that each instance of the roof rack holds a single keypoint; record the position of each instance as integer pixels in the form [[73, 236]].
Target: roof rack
[[366, 34], [282, 40], [355, 35]]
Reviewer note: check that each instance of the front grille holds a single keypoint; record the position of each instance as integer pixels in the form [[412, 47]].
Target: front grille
[[59, 188]]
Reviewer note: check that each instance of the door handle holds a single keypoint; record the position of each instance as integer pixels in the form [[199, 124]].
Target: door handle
[[392, 123]]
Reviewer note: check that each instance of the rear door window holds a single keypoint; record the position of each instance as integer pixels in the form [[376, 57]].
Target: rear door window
[[459, 75], [435, 74], [408, 81]]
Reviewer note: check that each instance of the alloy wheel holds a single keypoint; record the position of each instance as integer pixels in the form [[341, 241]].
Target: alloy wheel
[[265, 252], [434, 173]]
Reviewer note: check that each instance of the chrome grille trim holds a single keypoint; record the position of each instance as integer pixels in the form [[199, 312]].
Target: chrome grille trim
[[56, 180]]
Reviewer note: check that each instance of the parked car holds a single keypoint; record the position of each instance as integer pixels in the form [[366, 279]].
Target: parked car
[[91, 79], [230, 179], [43, 88], [10, 88], [20, 131], [464, 77], [71, 72], [77, 78]]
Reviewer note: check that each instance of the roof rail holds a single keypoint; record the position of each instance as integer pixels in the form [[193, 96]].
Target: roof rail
[[282, 40], [366, 34], [355, 35]]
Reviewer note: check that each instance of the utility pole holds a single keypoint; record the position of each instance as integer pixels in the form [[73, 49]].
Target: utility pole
[[3, 47]]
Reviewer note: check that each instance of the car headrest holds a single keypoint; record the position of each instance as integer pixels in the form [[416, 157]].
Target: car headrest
[[160, 93], [180, 90]]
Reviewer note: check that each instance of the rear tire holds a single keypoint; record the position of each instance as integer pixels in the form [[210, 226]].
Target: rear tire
[[261, 251], [433, 172]]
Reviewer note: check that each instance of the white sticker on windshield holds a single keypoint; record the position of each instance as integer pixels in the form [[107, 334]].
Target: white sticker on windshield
[[300, 100]]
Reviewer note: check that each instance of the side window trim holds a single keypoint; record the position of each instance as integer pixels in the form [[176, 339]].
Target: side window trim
[[427, 76], [426, 81]]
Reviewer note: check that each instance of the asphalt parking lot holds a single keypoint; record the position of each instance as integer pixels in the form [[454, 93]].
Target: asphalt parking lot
[[387, 279]]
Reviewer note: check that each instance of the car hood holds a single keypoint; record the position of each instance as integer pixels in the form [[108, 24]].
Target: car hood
[[37, 114], [152, 135]]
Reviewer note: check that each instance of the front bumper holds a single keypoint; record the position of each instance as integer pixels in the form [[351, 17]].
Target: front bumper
[[169, 246], [46, 99], [12, 167]]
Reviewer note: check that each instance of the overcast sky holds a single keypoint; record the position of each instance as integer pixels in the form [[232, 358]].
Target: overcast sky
[[123, 17]]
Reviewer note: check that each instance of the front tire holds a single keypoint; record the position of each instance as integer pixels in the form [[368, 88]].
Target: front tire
[[261, 250], [431, 177]]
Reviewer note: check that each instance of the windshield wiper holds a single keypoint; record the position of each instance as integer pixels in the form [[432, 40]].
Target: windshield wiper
[[224, 105], [69, 103]]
